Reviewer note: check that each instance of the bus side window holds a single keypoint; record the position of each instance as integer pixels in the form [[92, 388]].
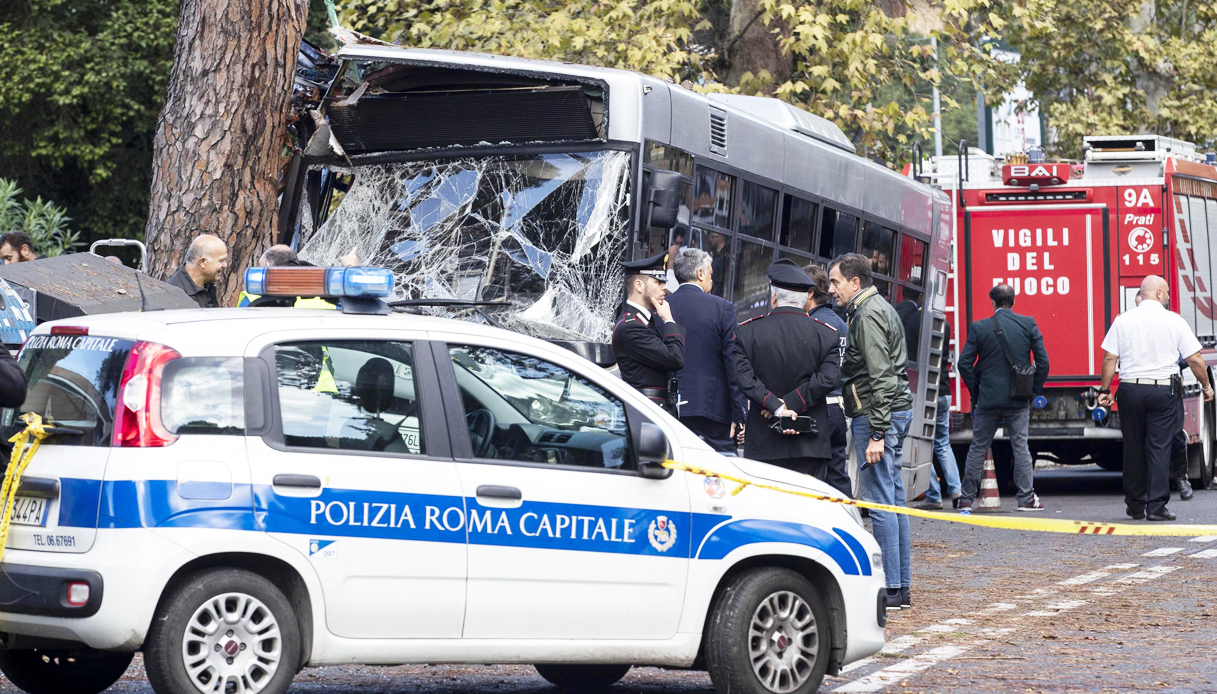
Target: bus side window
[[798, 224], [838, 233]]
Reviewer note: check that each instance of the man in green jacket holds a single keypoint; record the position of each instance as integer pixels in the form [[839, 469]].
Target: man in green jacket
[[876, 395]]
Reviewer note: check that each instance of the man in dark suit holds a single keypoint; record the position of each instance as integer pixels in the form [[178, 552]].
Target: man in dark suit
[[713, 408], [987, 373], [648, 353], [790, 353]]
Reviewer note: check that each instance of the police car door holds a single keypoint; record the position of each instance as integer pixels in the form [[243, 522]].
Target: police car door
[[565, 539], [355, 472]]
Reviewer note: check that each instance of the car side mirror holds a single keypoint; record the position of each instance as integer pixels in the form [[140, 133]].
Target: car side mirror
[[663, 198], [653, 450]]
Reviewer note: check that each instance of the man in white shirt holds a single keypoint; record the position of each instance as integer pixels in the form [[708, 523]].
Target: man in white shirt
[[1148, 343]]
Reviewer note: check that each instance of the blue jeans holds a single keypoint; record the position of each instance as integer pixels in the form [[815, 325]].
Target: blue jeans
[[946, 456], [882, 483]]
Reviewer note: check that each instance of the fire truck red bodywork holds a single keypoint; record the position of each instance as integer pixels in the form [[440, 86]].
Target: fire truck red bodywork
[[1076, 252]]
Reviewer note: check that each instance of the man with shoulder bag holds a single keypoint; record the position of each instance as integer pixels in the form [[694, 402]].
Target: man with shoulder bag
[[996, 365]]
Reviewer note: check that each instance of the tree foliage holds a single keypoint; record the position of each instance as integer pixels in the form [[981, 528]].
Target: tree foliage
[[650, 36], [43, 221], [1102, 67], [81, 82], [843, 54]]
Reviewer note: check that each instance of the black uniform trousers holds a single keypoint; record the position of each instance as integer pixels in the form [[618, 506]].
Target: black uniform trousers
[[807, 465], [1150, 416], [1179, 456], [716, 434], [837, 474]]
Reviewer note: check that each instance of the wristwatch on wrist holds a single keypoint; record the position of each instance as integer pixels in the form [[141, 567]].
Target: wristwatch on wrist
[[876, 436], [1104, 391]]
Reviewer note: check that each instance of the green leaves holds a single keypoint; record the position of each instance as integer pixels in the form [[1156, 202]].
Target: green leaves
[[45, 222]]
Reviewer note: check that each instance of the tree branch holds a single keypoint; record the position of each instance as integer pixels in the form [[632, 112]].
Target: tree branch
[[740, 35]]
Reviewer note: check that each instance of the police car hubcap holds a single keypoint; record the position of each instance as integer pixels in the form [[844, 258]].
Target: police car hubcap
[[783, 642], [232, 644]]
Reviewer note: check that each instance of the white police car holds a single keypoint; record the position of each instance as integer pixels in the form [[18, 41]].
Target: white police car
[[240, 493]]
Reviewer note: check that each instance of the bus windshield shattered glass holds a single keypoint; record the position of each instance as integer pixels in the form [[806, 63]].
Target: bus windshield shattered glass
[[544, 232]]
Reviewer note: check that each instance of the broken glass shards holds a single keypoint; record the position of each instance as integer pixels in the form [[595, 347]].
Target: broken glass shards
[[543, 231]]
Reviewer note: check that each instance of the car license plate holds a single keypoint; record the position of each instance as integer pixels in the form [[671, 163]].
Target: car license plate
[[29, 510]]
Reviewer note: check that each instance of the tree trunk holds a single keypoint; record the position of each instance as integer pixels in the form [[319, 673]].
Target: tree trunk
[[217, 155], [752, 46]]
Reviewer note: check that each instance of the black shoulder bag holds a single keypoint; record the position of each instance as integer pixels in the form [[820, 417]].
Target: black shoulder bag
[[1022, 376]]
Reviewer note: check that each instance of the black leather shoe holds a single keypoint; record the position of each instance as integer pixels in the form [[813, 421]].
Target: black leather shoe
[[905, 601], [892, 600], [1185, 489], [1163, 515], [1134, 513]]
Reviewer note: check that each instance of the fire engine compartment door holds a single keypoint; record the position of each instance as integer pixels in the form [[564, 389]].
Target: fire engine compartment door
[[1058, 259]]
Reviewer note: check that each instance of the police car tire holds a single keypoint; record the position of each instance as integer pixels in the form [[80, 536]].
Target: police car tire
[[582, 678], [163, 647], [728, 655], [82, 671]]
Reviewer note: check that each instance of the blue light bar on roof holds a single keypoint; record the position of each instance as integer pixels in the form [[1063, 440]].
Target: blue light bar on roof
[[364, 281], [255, 280], [372, 282]]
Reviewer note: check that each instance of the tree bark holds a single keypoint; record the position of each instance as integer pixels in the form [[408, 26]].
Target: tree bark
[[217, 155], [752, 46]]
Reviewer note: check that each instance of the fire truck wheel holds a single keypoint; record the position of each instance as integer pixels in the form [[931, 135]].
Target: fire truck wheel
[[1200, 456]]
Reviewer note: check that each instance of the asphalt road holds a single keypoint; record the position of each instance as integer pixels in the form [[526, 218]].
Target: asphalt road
[[994, 610]]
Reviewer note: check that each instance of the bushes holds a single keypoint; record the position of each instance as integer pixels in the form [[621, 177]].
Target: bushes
[[45, 222]]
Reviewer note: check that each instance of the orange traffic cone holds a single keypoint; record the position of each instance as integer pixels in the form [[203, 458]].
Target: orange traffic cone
[[990, 498]]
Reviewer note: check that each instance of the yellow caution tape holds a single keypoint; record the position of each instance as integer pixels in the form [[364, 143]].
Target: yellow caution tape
[[18, 461], [1043, 525]]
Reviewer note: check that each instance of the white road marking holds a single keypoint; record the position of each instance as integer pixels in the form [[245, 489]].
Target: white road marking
[[938, 629], [1149, 574], [1162, 551], [1203, 538], [997, 607], [896, 645], [1119, 567], [1055, 609], [1084, 578], [1205, 554], [905, 668]]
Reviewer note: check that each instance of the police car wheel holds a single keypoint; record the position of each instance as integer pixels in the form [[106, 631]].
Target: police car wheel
[[75, 671], [582, 678], [223, 630], [769, 634]]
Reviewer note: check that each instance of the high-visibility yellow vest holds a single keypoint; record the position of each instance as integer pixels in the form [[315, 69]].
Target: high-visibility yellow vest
[[245, 299]]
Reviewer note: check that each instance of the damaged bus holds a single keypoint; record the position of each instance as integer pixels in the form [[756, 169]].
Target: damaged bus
[[507, 190]]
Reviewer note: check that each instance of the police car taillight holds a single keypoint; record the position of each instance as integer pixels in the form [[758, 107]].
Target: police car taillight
[[137, 419]]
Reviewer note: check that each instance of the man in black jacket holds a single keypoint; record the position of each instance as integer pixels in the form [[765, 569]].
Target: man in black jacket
[[714, 407], [790, 353], [987, 373], [647, 354]]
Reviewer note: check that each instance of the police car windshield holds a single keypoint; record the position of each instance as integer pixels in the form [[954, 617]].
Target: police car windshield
[[542, 231]]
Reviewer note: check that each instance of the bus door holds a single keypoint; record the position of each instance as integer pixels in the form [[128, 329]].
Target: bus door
[[1139, 227], [1057, 259]]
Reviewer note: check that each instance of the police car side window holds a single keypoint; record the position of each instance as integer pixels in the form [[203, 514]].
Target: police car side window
[[534, 411], [349, 395], [204, 396]]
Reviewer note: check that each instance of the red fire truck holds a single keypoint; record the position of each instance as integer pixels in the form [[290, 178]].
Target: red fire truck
[[1075, 241]]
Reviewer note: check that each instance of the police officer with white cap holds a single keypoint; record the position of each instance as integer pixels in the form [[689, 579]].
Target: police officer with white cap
[[648, 354], [1148, 342]]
